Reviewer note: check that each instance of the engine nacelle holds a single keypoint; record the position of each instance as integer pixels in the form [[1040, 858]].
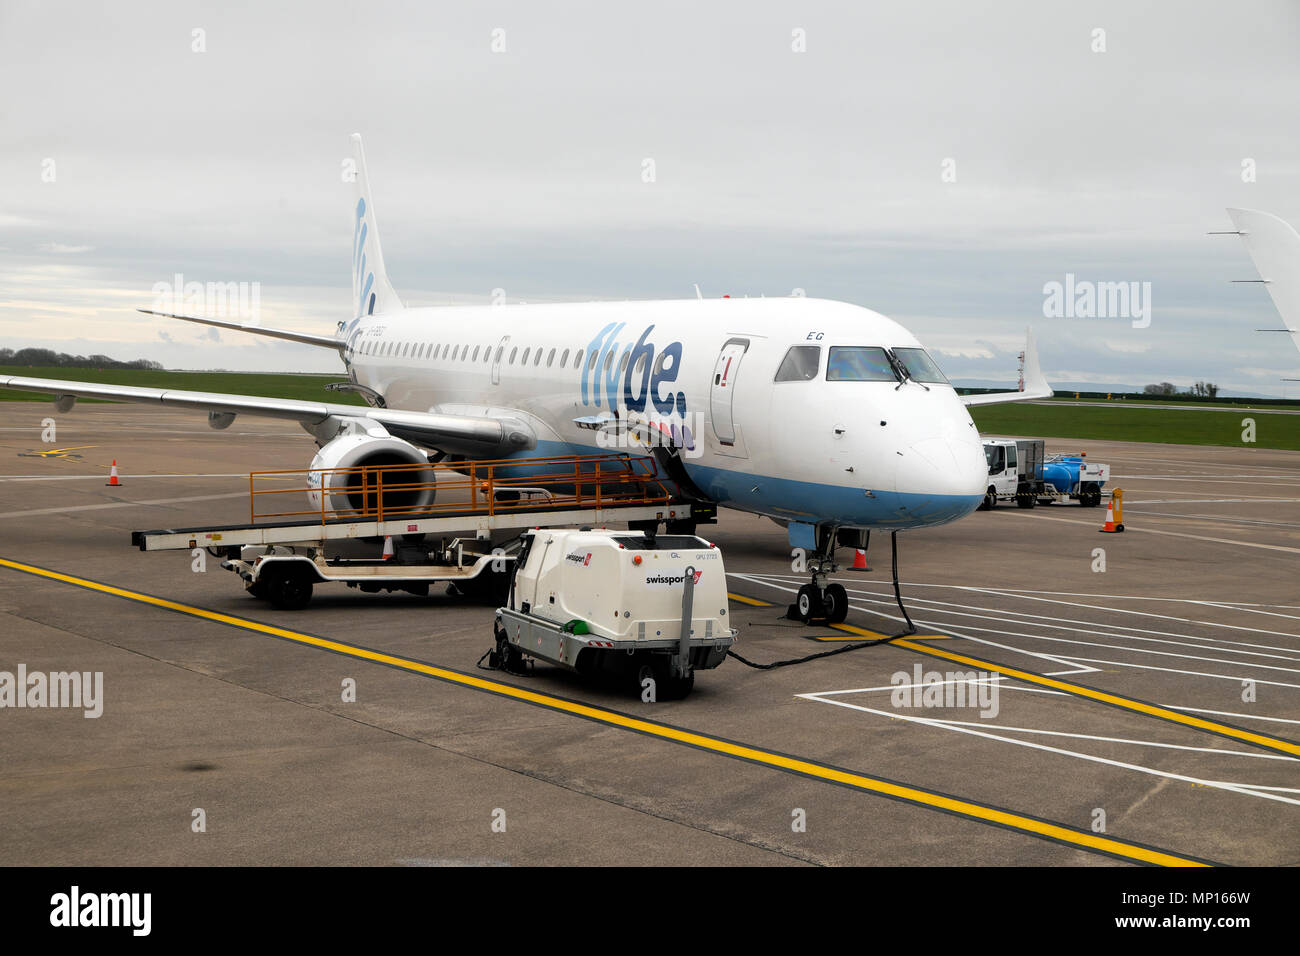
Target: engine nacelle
[[353, 493]]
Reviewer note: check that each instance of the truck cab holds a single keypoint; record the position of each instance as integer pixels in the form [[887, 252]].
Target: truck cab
[[1015, 471]]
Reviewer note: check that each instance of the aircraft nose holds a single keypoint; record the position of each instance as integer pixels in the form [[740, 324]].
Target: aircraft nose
[[940, 479]]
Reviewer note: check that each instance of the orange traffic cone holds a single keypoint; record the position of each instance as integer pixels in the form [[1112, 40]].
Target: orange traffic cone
[[388, 547], [860, 561], [112, 476], [1110, 527]]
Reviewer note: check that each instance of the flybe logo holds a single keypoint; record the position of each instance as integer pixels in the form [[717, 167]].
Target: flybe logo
[[632, 376], [363, 279]]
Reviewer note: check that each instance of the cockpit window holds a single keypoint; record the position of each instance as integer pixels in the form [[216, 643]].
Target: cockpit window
[[859, 363], [800, 364], [920, 366]]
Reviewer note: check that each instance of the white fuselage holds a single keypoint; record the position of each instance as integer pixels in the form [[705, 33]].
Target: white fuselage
[[893, 454]]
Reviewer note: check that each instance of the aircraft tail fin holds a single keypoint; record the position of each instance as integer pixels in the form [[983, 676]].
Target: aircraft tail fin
[[1274, 246], [371, 291], [1033, 383]]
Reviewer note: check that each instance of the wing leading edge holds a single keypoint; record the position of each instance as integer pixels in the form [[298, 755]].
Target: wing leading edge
[[455, 434]]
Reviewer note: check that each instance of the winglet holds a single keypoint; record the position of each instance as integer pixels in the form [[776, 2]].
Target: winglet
[[1274, 247], [371, 290]]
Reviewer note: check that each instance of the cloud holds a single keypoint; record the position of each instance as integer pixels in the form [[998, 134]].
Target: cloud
[[774, 169], [59, 249]]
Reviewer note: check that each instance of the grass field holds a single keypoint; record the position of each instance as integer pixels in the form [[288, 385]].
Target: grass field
[[1169, 425], [310, 388]]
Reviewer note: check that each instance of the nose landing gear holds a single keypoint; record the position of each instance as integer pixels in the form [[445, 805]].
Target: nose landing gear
[[826, 602]]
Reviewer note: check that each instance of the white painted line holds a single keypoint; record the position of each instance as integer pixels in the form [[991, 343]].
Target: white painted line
[[118, 504], [124, 477], [1244, 789], [1228, 713], [1020, 595], [1091, 627], [1020, 512]]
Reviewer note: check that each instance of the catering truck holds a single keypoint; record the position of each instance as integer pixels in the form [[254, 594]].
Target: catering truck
[[1019, 471], [653, 608]]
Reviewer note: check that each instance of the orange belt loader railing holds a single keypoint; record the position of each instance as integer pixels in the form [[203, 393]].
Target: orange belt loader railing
[[461, 488]]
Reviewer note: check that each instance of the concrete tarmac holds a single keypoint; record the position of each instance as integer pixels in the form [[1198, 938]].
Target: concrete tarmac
[[1157, 704]]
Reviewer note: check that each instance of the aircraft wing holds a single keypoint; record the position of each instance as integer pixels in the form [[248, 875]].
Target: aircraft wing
[[457, 434], [1274, 247], [1035, 386], [306, 338]]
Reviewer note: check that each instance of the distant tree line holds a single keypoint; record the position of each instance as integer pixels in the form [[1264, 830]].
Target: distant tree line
[[48, 358], [1200, 389]]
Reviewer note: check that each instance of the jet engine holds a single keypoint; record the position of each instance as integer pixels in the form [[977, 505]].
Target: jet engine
[[363, 487]]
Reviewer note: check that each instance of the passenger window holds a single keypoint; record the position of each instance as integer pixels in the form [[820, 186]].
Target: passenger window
[[800, 364], [577, 359], [564, 358], [524, 360], [591, 362], [537, 359], [474, 357], [859, 363], [550, 359], [513, 352]]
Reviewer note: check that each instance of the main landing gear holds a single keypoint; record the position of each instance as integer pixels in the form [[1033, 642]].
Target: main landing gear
[[827, 602]]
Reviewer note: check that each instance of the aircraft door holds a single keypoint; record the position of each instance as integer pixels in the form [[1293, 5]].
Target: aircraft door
[[496, 359], [722, 391]]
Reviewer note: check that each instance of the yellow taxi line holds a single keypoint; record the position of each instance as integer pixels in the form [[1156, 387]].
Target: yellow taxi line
[[1033, 826]]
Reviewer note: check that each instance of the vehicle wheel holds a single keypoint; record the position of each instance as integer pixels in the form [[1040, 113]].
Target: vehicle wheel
[[508, 657], [668, 686], [1091, 497], [835, 602], [807, 603], [288, 589], [257, 589], [1025, 501], [990, 500], [645, 669]]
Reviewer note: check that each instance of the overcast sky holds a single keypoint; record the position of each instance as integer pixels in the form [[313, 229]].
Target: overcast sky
[[774, 169]]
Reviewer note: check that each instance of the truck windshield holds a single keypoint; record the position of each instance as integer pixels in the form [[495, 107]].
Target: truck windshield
[[996, 457], [920, 366], [859, 363]]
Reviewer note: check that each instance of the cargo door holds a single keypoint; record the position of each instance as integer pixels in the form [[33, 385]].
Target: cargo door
[[722, 392]]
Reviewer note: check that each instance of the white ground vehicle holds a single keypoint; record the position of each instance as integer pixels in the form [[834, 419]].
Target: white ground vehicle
[[619, 601], [1019, 471]]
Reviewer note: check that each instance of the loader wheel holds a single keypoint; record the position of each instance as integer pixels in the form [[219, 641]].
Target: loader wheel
[[990, 500], [835, 602], [288, 589], [507, 657]]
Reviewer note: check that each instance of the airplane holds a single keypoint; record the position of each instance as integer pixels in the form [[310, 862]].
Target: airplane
[[827, 417], [1274, 247]]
